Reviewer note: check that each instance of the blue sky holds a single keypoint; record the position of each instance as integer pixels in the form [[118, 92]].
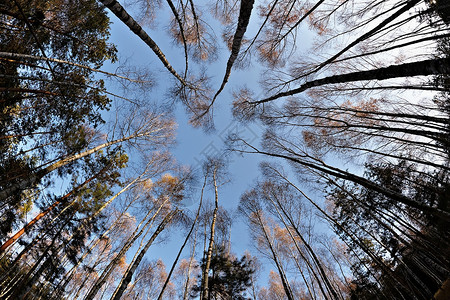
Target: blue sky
[[193, 144]]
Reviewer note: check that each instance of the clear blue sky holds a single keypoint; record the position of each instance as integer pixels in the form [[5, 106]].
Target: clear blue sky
[[193, 145]]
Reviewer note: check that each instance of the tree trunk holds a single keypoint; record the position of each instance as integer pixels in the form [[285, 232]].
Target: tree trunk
[[351, 236], [68, 276], [338, 173], [188, 275], [184, 244], [60, 288], [420, 68], [128, 20], [30, 224], [409, 4], [131, 269], [111, 266], [284, 280], [180, 25], [35, 178], [244, 18], [279, 207], [204, 285], [22, 287]]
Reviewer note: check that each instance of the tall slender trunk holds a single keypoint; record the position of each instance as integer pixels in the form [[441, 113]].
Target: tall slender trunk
[[104, 205], [244, 18], [60, 288], [428, 251], [22, 287], [205, 289], [36, 177], [357, 241], [278, 206], [320, 166], [110, 268], [180, 25], [344, 278], [68, 276], [407, 6], [302, 274], [128, 20], [42, 214], [132, 268], [184, 244], [113, 263], [431, 249], [188, 275], [95, 262], [420, 68], [408, 270], [284, 281]]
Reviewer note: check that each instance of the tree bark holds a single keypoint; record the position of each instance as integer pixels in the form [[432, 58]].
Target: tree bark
[[128, 20], [184, 244], [35, 178], [338, 173], [111, 266], [278, 206], [420, 68], [204, 285], [284, 281], [409, 4], [349, 234], [131, 269], [30, 224], [244, 18]]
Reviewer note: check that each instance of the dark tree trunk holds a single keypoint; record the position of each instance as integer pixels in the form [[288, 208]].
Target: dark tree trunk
[[419, 68]]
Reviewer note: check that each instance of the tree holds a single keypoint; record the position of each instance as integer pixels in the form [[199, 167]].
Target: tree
[[353, 96], [47, 103], [63, 227], [123, 15], [167, 195], [131, 269], [292, 235], [399, 245], [261, 229], [420, 68], [244, 17], [42, 214], [151, 129], [194, 223], [188, 28], [280, 147], [212, 167], [229, 277]]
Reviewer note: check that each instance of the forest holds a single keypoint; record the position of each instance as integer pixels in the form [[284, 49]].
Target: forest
[[351, 104]]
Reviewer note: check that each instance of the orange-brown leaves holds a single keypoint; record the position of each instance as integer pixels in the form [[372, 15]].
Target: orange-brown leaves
[[122, 264], [242, 108], [362, 108], [225, 10], [147, 10], [275, 289], [280, 33], [198, 38], [343, 125]]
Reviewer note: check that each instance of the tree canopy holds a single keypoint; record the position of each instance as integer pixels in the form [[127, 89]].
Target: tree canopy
[[351, 101]]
